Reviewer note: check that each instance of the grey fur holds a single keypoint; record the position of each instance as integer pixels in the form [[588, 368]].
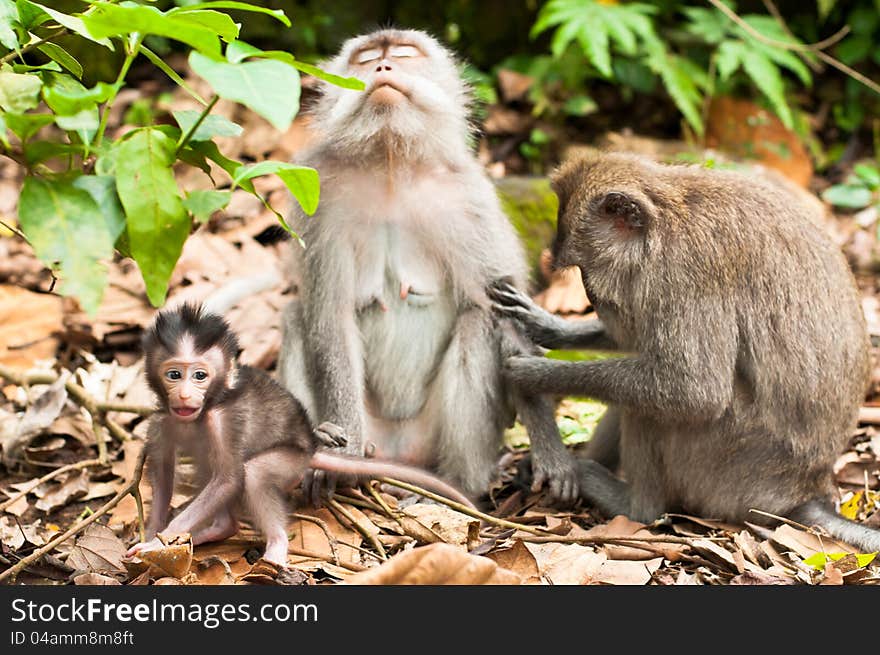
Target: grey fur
[[748, 348], [404, 201]]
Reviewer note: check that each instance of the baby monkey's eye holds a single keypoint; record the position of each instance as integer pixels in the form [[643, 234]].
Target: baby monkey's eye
[[200, 375], [172, 374]]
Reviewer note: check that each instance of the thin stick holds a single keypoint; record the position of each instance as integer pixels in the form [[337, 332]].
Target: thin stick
[[360, 550], [86, 463], [14, 230], [658, 539], [797, 47], [388, 511], [464, 509], [80, 525], [366, 534], [325, 558], [358, 502], [321, 523]]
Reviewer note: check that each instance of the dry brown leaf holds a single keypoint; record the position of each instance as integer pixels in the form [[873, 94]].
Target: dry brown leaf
[[19, 507], [174, 559], [97, 550], [28, 324], [308, 536], [95, 579], [167, 581], [518, 559], [513, 85], [832, 575], [626, 572], [805, 544], [451, 526], [75, 487], [758, 578], [214, 571], [567, 563], [11, 535], [436, 564], [39, 415]]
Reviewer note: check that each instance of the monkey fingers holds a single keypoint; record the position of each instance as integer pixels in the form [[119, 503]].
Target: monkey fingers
[[560, 475], [331, 435], [152, 544]]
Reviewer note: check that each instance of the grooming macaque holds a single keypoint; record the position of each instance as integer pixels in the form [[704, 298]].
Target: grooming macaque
[[250, 440], [392, 336], [748, 353]]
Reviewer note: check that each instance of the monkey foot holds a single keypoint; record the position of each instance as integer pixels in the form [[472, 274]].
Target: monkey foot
[[272, 573]]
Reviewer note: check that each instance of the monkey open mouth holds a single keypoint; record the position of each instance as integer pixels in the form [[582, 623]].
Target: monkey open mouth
[[184, 411]]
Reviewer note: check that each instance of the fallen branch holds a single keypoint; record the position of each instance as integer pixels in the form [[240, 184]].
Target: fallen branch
[[464, 509], [80, 525], [325, 558], [365, 533], [86, 463], [654, 539], [321, 523]]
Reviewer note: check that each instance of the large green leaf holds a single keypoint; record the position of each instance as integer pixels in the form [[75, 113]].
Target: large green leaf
[[851, 196], [102, 188], [767, 78], [58, 54], [277, 14], [157, 224], [18, 93], [8, 19], [238, 51], [302, 181], [219, 23], [202, 204], [115, 20], [213, 125], [66, 228], [72, 98], [73, 23], [269, 87], [26, 125]]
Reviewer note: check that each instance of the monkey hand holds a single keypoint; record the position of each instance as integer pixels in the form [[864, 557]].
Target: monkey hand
[[331, 435], [152, 544], [539, 325], [558, 471]]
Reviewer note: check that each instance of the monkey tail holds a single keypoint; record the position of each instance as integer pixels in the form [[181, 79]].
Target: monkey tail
[[816, 512], [230, 294], [374, 468]]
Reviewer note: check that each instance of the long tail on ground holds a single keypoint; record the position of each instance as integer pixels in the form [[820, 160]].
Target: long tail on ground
[[816, 512], [230, 294], [375, 468]]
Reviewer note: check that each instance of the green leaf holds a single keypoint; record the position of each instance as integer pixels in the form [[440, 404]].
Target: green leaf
[[209, 150], [65, 227], [72, 98], [270, 88], [102, 189], [29, 15], [26, 125], [848, 195], [58, 54], [18, 93], [580, 105], [213, 125], [158, 224], [43, 150], [8, 19], [203, 204], [728, 58], [277, 14], [73, 23], [819, 560], [238, 51], [301, 180], [157, 61], [116, 20], [825, 7], [869, 174], [219, 23], [766, 77]]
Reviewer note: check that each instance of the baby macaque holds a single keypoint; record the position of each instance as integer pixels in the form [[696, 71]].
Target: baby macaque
[[250, 439], [747, 349]]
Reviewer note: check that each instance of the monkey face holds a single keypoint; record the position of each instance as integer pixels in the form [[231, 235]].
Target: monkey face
[[186, 381], [413, 91]]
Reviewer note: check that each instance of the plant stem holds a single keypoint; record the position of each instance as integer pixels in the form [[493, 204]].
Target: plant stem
[[184, 139], [117, 85], [5, 59]]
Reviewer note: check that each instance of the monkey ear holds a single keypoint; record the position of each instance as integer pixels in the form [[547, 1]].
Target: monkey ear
[[623, 210]]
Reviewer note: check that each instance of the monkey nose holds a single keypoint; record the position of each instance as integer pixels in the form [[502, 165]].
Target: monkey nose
[[384, 65]]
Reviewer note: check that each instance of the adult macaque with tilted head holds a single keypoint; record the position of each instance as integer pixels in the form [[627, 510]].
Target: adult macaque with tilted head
[[392, 336], [748, 353], [250, 439]]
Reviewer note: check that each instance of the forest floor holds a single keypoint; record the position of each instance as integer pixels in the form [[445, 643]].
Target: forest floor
[[368, 536]]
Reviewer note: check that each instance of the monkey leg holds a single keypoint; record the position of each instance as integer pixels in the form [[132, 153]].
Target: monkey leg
[[222, 527], [268, 476], [292, 369], [551, 463], [604, 445], [468, 404], [608, 493]]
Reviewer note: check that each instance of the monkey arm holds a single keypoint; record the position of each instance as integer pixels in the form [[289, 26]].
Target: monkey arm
[[635, 382], [542, 327], [220, 492]]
